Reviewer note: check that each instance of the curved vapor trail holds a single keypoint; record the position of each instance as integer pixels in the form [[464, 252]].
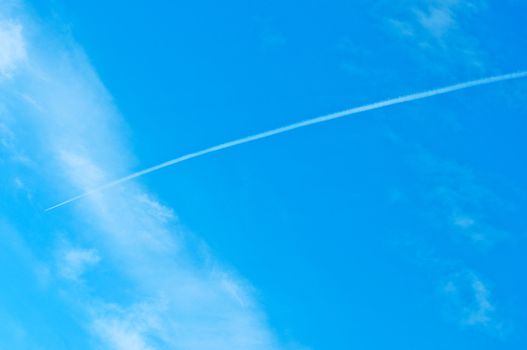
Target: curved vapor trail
[[298, 125]]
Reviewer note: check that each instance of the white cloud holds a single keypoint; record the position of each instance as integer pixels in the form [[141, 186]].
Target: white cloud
[[464, 222], [438, 21], [156, 209], [122, 329], [477, 230], [9, 145], [436, 29], [182, 299], [470, 303], [460, 200], [464, 297], [118, 337], [73, 262], [82, 171], [12, 47], [436, 18], [6, 138], [19, 184]]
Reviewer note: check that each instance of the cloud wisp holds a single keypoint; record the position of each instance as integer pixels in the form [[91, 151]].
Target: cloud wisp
[[12, 49], [469, 301], [302, 124], [144, 282]]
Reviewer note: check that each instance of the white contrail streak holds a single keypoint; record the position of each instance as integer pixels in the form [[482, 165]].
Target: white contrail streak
[[284, 129]]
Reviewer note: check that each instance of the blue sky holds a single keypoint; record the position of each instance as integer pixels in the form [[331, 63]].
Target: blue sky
[[400, 228]]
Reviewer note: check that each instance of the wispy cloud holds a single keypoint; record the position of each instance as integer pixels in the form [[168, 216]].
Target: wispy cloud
[[464, 298], [73, 262], [461, 201], [470, 303], [437, 29], [438, 21], [6, 138], [176, 297], [125, 329], [9, 145], [12, 47], [437, 18], [457, 206]]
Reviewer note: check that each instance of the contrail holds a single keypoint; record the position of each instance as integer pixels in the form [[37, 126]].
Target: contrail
[[298, 125]]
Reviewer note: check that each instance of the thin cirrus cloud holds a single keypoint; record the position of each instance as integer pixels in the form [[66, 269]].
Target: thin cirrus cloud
[[72, 262], [436, 30], [439, 18], [469, 300], [457, 206], [460, 200], [442, 36], [12, 50], [182, 298], [436, 19], [12, 45]]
